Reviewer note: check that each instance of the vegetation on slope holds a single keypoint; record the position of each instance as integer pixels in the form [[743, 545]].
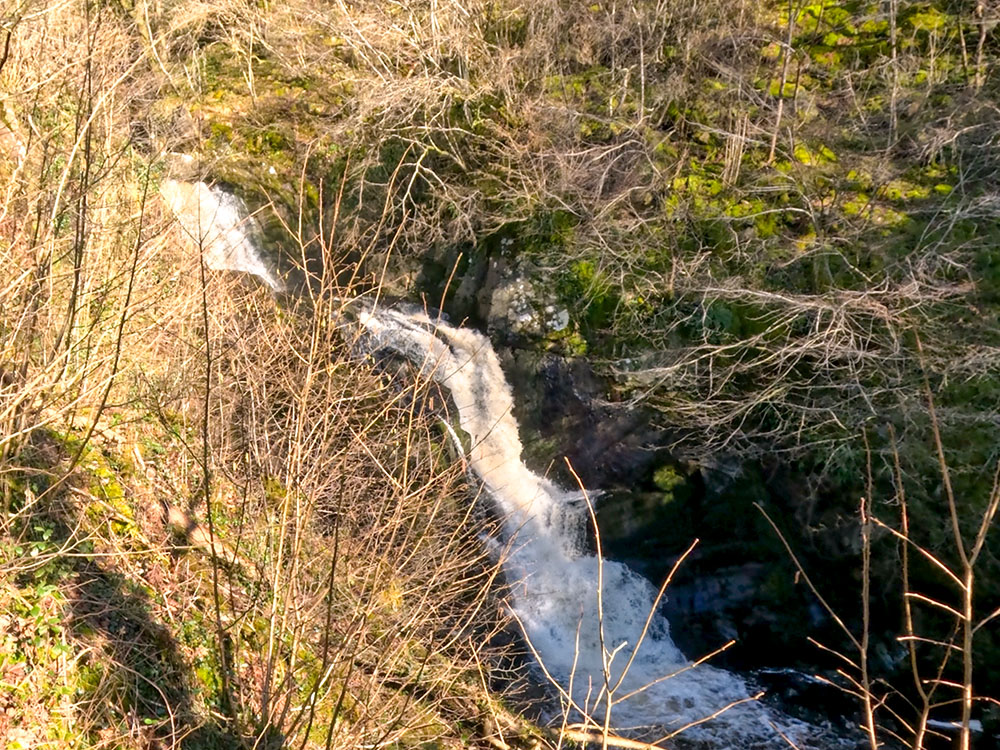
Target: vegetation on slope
[[222, 526], [768, 222]]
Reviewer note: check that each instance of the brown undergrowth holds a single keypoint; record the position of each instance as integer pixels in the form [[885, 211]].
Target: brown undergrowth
[[222, 525], [254, 537]]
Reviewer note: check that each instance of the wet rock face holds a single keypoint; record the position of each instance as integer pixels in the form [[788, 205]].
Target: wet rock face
[[741, 603], [739, 583], [512, 309], [559, 405], [518, 307], [650, 507]]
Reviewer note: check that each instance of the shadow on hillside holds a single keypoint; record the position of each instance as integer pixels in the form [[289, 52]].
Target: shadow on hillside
[[130, 684], [140, 679]]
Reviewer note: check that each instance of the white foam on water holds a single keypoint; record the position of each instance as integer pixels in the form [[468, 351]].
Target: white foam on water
[[554, 581], [221, 225]]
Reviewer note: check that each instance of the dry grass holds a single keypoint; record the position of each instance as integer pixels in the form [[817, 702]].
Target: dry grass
[[327, 587], [222, 527]]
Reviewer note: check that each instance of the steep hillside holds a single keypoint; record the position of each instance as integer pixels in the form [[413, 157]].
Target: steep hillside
[[771, 229]]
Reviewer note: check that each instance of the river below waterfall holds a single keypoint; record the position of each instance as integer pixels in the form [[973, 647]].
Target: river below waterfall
[[594, 625]]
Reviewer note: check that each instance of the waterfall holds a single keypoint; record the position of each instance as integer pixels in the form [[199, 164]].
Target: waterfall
[[219, 223], [556, 584], [554, 581]]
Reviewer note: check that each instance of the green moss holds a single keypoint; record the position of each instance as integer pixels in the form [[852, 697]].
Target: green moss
[[585, 290], [926, 17], [828, 58], [874, 27], [698, 184], [568, 341], [901, 191], [816, 156], [771, 51], [274, 490], [667, 478], [855, 205]]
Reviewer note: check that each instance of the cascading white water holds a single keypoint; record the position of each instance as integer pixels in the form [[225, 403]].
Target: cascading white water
[[555, 583], [219, 223]]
